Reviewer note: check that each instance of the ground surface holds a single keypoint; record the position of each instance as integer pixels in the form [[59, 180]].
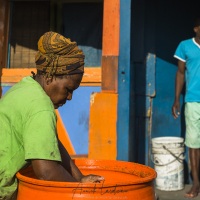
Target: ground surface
[[174, 195]]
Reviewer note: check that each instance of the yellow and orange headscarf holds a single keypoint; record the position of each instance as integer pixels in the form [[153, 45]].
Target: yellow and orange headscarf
[[57, 55]]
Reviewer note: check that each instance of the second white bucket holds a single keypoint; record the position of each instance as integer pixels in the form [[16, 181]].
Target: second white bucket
[[168, 156]]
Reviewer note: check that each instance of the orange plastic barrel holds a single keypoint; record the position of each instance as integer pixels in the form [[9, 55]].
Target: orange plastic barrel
[[123, 180]]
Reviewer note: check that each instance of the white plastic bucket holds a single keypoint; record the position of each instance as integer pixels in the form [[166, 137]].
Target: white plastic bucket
[[168, 156]]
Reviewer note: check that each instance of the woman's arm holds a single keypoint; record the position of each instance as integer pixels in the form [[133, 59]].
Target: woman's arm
[[65, 171], [70, 166], [51, 171]]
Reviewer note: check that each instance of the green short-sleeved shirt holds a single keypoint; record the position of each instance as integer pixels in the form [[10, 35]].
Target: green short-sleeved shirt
[[27, 131]]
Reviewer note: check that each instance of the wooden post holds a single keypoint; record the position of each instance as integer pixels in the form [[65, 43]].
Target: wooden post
[[110, 51], [4, 32], [103, 105]]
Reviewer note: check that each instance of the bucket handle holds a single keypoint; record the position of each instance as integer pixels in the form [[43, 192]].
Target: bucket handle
[[176, 157]]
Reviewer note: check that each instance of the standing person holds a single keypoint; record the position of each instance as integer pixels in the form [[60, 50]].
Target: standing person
[[28, 120], [188, 55]]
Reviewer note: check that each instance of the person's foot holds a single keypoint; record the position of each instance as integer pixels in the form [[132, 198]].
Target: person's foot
[[194, 191]]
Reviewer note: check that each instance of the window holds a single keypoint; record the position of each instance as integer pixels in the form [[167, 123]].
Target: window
[[81, 21], [29, 20]]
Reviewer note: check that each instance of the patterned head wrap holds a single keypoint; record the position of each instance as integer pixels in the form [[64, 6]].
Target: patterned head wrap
[[57, 55]]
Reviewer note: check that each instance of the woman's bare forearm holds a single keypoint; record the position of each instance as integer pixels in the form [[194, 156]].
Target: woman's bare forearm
[[69, 164], [51, 171]]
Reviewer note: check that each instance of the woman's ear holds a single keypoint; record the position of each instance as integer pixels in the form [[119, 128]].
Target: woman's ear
[[48, 80]]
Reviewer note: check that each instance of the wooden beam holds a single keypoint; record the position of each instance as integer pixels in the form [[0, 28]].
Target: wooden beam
[[102, 132], [110, 46], [92, 75], [109, 74]]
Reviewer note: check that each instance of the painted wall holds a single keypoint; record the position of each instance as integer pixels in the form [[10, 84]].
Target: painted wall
[[157, 28]]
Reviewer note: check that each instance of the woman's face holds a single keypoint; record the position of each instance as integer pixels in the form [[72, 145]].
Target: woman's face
[[60, 89]]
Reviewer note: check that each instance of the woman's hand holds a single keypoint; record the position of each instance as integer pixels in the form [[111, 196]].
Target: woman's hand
[[91, 178]]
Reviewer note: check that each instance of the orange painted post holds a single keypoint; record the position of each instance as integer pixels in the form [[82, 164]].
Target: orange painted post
[[110, 51], [111, 28], [103, 123], [103, 105]]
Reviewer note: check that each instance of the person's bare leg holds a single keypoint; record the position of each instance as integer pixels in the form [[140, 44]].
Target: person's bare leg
[[194, 156]]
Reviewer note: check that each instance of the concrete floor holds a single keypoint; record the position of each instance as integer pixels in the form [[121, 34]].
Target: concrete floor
[[174, 195]]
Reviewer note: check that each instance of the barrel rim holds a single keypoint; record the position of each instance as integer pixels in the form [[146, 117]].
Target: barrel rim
[[150, 176]]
